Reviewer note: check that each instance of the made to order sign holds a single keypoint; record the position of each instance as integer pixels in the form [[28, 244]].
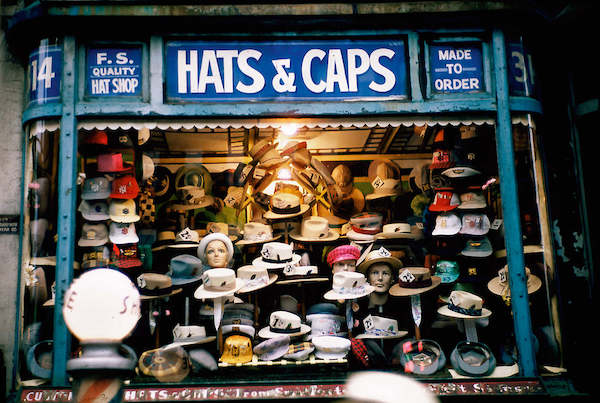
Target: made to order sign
[[456, 68], [292, 70]]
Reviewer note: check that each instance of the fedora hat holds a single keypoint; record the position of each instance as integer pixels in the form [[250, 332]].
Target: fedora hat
[[348, 285], [413, 281], [379, 327], [464, 305], [381, 255], [298, 153], [218, 283], [285, 205], [256, 233], [265, 154], [499, 285], [283, 323], [314, 229], [400, 230], [155, 285], [276, 255], [185, 269], [301, 274], [189, 335], [254, 278], [113, 163]]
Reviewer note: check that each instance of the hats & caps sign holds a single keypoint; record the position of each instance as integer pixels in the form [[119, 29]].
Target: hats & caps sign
[[295, 70]]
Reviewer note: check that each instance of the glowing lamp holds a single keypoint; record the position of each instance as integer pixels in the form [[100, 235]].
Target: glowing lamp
[[289, 129], [101, 306]]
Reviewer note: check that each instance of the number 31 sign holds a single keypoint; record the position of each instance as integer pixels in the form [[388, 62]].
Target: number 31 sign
[[44, 74]]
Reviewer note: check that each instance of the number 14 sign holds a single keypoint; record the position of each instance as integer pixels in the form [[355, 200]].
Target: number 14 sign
[[44, 74]]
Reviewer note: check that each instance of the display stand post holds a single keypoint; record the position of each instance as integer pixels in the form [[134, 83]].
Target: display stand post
[[470, 330]]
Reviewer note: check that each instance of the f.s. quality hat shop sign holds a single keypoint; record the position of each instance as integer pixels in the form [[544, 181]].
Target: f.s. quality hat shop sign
[[294, 70]]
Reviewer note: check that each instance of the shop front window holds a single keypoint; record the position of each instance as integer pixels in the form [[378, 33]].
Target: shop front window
[[302, 248]]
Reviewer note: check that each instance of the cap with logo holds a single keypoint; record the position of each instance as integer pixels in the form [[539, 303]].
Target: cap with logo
[[445, 200], [95, 210], [477, 247], [125, 187], [125, 256], [93, 234], [237, 349], [475, 224], [447, 224], [123, 211], [96, 188], [121, 233]]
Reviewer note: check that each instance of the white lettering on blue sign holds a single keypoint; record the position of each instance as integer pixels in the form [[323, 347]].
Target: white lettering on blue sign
[[300, 70], [114, 71], [456, 69]]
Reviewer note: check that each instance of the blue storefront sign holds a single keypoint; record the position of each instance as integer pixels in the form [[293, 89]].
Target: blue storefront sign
[[456, 68], [114, 71], [521, 78], [285, 70], [44, 74]]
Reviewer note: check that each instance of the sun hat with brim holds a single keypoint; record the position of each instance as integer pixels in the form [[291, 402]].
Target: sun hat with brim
[[378, 327], [95, 210], [348, 285], [273, 348], [413, 281], [96, 188], [254, 278], [215, 236], [314, 229], [186, 238], [385, 188], [155, 285], [285, 205], [464, 305], [276, 255], [185, 269], [421, 357], [499, 285], [190, 335], [283, 323], [166, 364], [163, 239], [473, 359], [255, 233], [218, 283], [381, 255], [331, 347], [301, 274]]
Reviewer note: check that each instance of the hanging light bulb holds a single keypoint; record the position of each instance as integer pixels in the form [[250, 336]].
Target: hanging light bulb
[[289, 129]]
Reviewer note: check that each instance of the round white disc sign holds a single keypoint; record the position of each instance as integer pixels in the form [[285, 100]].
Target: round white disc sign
[[101, 305]]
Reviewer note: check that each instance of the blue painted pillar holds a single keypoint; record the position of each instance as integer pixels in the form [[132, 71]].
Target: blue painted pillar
[[511, 212], [67, 194]]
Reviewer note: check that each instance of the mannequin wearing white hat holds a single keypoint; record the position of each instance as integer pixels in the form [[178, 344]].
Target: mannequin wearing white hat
[[216, 250]]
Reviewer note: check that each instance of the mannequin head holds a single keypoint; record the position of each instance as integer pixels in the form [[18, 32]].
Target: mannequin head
[[216, 250], [344, 265], [380, 276]]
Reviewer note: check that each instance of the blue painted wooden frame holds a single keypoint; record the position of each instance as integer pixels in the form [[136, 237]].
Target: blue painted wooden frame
[[497, 102]]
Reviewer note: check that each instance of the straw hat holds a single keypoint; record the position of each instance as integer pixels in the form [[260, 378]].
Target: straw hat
[[499, 285], [314, 229], [413, 281], [464, 305]]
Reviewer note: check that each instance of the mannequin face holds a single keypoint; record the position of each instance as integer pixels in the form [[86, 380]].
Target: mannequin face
[[344, 265], [216, 254], [380, 277]]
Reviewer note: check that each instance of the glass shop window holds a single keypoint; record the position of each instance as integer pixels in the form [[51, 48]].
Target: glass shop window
[[298, 250], [38, 251]]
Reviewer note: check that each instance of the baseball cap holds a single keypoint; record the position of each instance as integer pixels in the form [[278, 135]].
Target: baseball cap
[[123, 211], [446, 224], [125, 256], [95, 188], [94, 210], [447, 270], [97, 256], [445, 200], [125, 187], [475, 224], [477, 247], [121, 233], [93, 235], [237, 350]]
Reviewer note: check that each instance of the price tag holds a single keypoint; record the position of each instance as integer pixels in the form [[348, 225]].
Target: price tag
[[496, 224], [377, 183]]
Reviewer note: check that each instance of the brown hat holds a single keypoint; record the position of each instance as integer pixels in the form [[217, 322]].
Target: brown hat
[[413, 281]]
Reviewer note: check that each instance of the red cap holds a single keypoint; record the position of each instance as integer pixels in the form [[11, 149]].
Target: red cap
[[98, 137], [125, 187], [343, 252]]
